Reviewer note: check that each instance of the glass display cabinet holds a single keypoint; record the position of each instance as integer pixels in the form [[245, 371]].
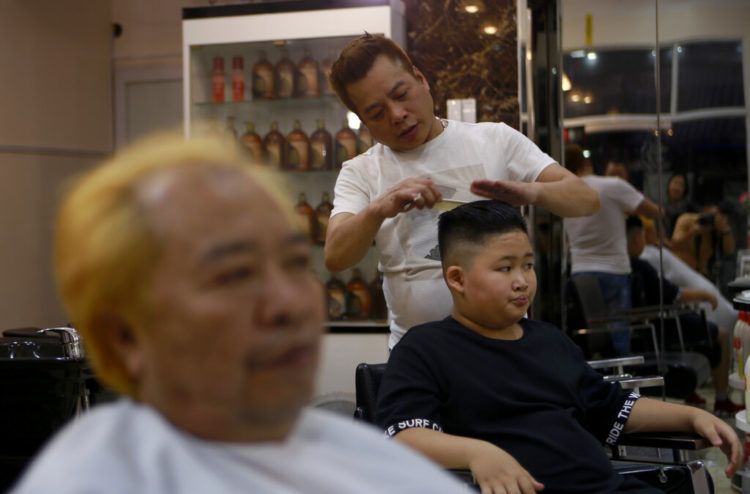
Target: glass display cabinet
[[258, 72]]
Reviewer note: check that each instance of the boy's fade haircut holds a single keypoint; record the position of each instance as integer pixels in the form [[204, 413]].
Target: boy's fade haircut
[[358, 57], [473, 222], [574, 159]]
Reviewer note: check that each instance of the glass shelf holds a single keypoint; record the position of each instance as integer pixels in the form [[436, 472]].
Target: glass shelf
[[279, 103]]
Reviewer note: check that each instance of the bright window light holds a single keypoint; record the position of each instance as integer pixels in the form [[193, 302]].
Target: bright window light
[[578, 53], [591, 56], [353, 120], [586, 153]]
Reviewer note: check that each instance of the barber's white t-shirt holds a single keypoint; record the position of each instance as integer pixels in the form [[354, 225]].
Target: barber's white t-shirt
[[598, 242], [407, 245], [128, 448]]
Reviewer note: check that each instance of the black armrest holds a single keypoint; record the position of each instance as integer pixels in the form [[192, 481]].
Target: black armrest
[[666, 440]]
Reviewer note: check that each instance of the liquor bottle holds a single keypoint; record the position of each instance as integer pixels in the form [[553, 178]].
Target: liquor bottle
[[286, 74], [365, 139], [307, 216], [252, 142], [322, 215], [275, 146], [336, 298], [217, 81], [346, 144], [379, 309], [325, 71], [238, 79], [263, 80], [360, 298], [309, 77], [298, 157], [321, 144]]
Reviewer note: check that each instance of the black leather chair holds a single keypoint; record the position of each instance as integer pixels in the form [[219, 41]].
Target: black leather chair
[[673, 473]]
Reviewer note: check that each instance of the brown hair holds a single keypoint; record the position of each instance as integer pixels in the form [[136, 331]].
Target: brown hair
[[358, 57], [574, 160]]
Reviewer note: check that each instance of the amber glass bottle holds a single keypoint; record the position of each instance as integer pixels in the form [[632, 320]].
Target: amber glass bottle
[[252, 142], [379, 309], [307, 216], [322, 215], [275, 146], [359, 297], [346, 144], [365, 139], [238, 79], [217, 80], [325, 71], [298, 157], [321, 144], [286, 76], [309, 77], [336, 297], [263, 80]]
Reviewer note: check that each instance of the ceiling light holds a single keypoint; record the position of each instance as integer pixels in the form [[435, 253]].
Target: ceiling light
[[591, 55], [490, 29], [471, 8], [566, 85], [575, 97]]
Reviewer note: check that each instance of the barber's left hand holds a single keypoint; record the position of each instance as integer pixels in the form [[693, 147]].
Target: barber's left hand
[[722, 436], [514, 193]]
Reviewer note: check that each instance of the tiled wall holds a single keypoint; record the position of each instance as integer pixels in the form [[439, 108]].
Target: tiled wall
[[449, 45]]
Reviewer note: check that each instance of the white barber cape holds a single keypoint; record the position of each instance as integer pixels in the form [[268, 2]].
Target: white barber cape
[[126, 447]]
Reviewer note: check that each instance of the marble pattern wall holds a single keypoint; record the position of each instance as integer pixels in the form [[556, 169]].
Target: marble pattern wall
[[460, 60]]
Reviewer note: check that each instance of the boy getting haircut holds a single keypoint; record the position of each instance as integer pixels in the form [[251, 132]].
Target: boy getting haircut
[[513, 399]]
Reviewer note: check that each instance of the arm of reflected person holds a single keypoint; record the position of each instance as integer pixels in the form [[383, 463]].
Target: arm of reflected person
[[350, 236], [690, 295], [556, 189], [685, 229], [493, 469], [649, 208], [659, 416], [724, 231]]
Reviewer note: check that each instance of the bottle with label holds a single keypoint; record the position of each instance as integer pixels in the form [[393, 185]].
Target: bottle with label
[[325, 71], [359, 298], [217, 81], [298, 157], [322, 215], [238, 79], [263, 79], [275, 146], [379, 309], [253, 143], [307, 216], [346, 144], [286, 76], [336, 298], [309, 78], [747, 392], [365, 139], [321, 144]]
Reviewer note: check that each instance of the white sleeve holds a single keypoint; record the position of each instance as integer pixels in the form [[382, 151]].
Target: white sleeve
[[627, 196], [525, 160], [350, 194]]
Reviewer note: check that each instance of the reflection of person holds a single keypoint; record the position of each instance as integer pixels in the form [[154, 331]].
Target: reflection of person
[[646, 291], [193, 291], [387, 194], [511, 398], [677, 201], [617, 169], [698, 238], [598, 246]]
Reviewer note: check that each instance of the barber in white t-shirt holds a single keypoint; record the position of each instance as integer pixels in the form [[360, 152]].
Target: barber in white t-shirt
[[388, 193]]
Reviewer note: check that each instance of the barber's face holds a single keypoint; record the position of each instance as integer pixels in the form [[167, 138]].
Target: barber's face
[[395, 105], [234, 314]]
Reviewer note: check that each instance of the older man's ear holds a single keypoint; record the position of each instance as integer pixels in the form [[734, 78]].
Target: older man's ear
[[123, 343]]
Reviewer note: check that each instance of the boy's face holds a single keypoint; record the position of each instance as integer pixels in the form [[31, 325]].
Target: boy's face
[[499, 283]]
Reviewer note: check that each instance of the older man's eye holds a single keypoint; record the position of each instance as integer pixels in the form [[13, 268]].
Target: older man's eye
[[301, 261], [234, 275]]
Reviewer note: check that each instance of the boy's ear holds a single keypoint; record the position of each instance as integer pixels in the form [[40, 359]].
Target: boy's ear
[[123, 343], [454, 277]]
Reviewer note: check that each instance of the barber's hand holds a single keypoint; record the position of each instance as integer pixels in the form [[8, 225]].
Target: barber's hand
[[497, 472], [406, 195], [514, 193], [711, 299], [720, 435]]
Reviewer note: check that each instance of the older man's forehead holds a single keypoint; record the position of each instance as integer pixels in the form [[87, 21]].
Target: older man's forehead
[[222, 249]]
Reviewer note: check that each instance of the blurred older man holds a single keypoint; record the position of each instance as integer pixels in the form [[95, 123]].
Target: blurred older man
[[192, 287]]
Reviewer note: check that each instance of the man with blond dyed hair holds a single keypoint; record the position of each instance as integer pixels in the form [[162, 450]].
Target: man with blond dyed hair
[[191, 286]]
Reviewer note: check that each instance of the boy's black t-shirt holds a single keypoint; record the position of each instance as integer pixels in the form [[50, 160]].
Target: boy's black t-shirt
[[535, 397]]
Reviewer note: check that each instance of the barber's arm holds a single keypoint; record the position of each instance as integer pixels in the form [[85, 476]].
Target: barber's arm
[[689, 295], [556, 190], [349, 236], [649, 208], [493, 469], [724, 231], [659, 416], [685, 230]]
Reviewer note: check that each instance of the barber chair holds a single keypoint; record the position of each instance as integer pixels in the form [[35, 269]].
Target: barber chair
[[42, 387], [684, 371], [662, 460]]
